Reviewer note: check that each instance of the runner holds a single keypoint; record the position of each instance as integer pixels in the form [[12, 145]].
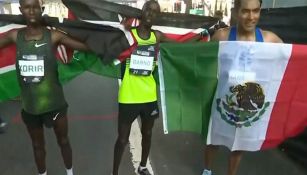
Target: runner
[[137, 93], [42, 97], [247, 13]]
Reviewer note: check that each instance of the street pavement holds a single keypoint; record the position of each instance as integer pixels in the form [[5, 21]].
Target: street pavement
[[93, 130]]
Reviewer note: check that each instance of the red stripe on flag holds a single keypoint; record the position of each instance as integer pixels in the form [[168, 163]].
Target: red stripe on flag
[[127, 53], [71, 15], [8, 55], [289, 114]]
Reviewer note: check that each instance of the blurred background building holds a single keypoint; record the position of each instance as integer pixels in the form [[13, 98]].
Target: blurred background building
[[52, 7]]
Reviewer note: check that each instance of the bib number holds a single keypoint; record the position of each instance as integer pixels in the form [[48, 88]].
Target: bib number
[[32, 68], [142, 60]]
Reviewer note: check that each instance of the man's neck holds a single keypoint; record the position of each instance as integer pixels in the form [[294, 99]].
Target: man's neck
[[34, 32], [143, 31], [243, 35]]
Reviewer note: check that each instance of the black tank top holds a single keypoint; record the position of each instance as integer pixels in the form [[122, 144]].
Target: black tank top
[[37, 73]]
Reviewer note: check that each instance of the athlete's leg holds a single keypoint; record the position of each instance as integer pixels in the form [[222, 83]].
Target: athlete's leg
[[234, 162], [121, 142], [38, 145], [146, 130], [61, 131], [210, 152]]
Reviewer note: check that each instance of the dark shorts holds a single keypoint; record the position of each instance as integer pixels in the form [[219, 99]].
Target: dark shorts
[[129, 112], [48, 119]]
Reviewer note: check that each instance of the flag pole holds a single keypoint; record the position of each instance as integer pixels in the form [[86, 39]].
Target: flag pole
[[162, 94]]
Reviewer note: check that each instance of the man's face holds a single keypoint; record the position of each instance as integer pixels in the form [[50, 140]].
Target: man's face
[[150, 13], [248, 15], [31, 10]]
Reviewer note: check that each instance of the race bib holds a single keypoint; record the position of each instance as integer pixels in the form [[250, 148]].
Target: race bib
[[142, 60], [32, 68]]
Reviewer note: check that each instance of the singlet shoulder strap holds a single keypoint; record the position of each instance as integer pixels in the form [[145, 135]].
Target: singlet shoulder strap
[[232, 34], [259, 37], [20, 35]]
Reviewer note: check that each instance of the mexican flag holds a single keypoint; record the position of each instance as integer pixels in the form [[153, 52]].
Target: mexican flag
[[244, 95]]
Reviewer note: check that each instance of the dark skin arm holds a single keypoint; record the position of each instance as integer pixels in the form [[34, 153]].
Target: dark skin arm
[[221, 35], [58, 37], [9, 38]]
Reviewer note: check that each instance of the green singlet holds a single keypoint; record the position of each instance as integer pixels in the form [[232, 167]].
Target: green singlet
[[37, 74]]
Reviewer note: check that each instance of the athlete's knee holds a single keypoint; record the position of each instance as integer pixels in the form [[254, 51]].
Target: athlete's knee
[[122, 141], [63, 141], [236, 154], [38, 146], [146, 133]]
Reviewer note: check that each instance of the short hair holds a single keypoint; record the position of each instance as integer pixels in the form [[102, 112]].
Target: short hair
[[41, 2], [147, 3], [237, 4]]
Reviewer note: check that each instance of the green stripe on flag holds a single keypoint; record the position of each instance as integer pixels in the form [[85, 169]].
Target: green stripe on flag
[[190, 80], [9, 86], [85, 61]]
